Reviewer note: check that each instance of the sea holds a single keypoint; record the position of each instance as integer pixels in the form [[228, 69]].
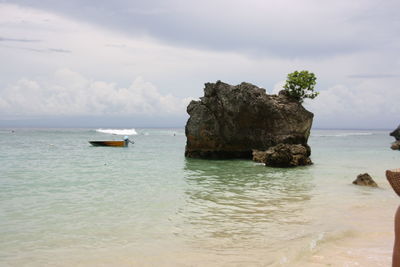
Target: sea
[[64, 202]]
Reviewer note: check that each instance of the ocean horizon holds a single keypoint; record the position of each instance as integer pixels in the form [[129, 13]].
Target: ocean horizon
[[64, 202]]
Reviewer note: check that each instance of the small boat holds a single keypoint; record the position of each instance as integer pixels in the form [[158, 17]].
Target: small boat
[[123, 143]]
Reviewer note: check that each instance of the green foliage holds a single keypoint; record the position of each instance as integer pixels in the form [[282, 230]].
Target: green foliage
[[300, 85]]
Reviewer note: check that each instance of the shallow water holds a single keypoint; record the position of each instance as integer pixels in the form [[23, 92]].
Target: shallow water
[[64, 202]]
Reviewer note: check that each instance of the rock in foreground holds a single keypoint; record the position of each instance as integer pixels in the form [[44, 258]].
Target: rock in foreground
[[393, 176], [365, 179], [231, 121], [287, 155]]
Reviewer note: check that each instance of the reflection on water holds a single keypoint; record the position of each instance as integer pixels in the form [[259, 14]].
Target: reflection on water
[[231, 201]]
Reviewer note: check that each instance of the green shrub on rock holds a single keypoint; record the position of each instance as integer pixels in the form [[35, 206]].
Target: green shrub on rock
[[300, 85]]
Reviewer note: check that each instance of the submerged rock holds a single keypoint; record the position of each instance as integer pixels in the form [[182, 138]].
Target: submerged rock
[[365, 179], [288, 155], [231, 121]]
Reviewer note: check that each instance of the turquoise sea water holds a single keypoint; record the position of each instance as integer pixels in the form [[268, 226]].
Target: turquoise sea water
[[66, 203]]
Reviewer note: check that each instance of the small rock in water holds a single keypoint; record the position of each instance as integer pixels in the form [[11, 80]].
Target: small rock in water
[[287, 155], [365, 179], [395, 145], [396, 135]]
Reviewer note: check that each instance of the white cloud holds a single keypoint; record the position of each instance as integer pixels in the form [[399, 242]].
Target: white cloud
[[262, 27], [113, 59], [278, 87], [70, 93], [372, 103]]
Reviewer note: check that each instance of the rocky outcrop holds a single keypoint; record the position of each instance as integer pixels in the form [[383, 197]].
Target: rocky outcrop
[[231, 121], [365, 179], [288, 155], [396, 133]]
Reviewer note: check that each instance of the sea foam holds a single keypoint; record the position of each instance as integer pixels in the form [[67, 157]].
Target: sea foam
[[118, 131]]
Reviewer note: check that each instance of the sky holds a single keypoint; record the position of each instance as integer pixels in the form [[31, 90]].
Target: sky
[[128, 63]]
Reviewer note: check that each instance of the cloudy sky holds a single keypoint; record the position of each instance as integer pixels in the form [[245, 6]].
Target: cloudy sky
[[128, 63]]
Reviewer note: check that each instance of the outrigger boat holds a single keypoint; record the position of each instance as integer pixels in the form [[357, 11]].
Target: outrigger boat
[[123, 143]]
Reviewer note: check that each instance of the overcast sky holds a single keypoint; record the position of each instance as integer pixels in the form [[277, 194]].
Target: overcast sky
[[127, 63]]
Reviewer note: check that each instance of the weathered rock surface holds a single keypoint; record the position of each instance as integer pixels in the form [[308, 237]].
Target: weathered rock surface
[[365, 179], [231, 121], [396, 133], [259, 156], [287, 155]]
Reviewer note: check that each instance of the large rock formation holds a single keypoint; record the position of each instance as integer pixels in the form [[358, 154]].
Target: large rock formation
[[230, 121]]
